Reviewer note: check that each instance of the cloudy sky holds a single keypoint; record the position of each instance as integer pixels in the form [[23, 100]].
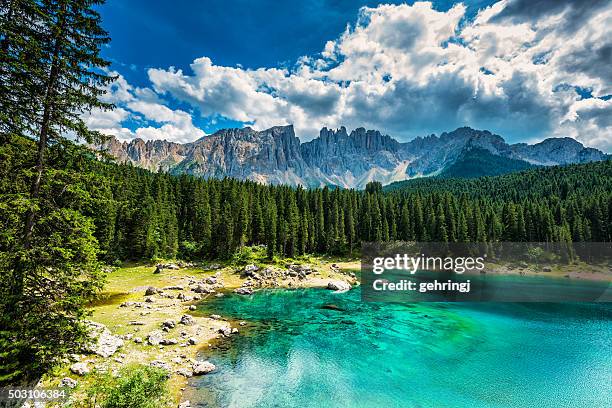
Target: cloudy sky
[[525, 69]]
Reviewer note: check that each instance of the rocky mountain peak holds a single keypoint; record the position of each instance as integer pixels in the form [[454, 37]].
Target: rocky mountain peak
[[277, 156]]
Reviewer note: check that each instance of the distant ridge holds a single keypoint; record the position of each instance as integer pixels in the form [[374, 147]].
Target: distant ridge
[[347, 160]]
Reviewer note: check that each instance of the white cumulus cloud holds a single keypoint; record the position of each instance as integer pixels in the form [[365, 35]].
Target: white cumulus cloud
[[518, 68]]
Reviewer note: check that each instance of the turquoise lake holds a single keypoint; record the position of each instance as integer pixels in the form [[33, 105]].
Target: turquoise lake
[[296, 353]]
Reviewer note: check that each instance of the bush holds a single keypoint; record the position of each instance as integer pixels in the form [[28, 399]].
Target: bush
[[136, 386]]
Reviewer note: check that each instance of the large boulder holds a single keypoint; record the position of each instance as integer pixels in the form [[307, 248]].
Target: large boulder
[[102, 341], [203, 367], [187, 320], [151, 291], [338, 286], [155, 338], [249, 270], [168, 324]]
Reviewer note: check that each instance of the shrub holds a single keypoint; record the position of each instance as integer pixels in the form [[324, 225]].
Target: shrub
[[136, 386]]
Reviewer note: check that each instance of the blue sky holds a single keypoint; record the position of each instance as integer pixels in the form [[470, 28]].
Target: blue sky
[[189, 65]]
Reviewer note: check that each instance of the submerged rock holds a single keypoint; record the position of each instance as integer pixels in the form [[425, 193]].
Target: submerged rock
[[333, 307]]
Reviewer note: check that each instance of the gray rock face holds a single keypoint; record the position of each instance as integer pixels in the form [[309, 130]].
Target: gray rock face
[[276, 156], [555, 151]]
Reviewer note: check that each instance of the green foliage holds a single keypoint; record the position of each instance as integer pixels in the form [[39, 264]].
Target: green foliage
[[57, 273], [50, 76], [478, 162], [136, 386]]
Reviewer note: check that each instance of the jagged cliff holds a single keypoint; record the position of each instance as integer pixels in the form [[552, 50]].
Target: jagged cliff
[[336, 157]]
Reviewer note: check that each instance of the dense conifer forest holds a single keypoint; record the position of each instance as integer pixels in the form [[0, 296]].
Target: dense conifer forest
[[137, 214]]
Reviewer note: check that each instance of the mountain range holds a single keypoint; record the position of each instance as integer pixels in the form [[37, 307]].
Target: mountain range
[[335, 157]]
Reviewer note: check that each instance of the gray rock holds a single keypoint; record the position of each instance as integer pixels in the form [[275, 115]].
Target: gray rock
[[276, 156], [185, 372], [102, 341], [187, 320], [151, 291], [338, 286], [202, 288], [185, 404], [154, 338], [192, 341], [168, 342], [160, 364], [244, 291], [193, 307], [203, 367], [80, 369], [250, 270], [68, 382], [170, 324]]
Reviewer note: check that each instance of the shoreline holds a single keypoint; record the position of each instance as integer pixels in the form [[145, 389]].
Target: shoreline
[[152, 327], [150, 318], [599, 273]]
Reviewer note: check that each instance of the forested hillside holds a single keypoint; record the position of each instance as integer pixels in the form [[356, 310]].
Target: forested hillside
[[142, 215], [478, 162]]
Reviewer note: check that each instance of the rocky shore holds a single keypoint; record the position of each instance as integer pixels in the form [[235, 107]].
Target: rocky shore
[[158, 323]]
